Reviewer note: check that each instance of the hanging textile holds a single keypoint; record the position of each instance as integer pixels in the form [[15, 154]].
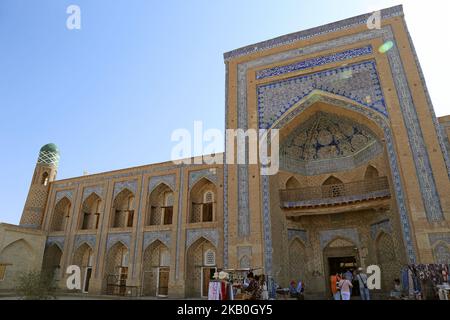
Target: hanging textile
[[223, 290], [214, 290], [230, 293], [404, 279], [411, 292], [422, 280]]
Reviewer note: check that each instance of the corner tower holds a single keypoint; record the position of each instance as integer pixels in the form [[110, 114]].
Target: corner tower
[[44, 173]]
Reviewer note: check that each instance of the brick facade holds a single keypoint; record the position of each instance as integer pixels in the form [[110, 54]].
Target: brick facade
[[379, 123]]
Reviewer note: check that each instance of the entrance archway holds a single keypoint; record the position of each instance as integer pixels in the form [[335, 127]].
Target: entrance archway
[[376, 124], [51, 263], [156, 269], [83, 258], [339, 256], [201, 265], [116, 269]]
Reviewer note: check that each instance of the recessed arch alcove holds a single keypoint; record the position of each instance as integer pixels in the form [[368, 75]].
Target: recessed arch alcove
[[343, 150], [324, 139]]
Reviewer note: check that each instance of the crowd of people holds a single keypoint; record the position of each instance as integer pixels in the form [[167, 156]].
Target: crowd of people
[[342, 285], [351, 284], [256, 287]]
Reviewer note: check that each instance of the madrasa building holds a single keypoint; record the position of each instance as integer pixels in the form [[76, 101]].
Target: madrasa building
[[363, 179]]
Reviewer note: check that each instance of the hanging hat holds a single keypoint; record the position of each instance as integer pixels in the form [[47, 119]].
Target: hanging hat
[[223, 275]]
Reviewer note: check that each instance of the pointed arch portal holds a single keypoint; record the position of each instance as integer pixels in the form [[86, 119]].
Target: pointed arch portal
[[375, 122]]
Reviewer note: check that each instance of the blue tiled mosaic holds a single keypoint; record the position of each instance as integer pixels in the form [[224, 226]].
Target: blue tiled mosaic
[[358, 82], [314, 62]]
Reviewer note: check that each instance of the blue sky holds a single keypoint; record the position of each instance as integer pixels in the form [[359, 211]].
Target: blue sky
[[110, 95]]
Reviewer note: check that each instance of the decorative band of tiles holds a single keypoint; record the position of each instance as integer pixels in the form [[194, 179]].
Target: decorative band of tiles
[[48, 158], [358, 82], [314, 62]]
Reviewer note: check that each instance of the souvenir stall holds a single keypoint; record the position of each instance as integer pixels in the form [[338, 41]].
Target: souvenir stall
[[220, 287], [425, 281], [239, 281]]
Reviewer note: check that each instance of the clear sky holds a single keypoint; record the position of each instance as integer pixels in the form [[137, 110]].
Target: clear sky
[[110, 95]]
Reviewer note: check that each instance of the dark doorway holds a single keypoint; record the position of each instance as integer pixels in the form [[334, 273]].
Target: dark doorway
[[341, 264], [87, 279]]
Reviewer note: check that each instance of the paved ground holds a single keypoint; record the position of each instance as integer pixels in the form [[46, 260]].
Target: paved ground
[[78, 296], [90, 297]]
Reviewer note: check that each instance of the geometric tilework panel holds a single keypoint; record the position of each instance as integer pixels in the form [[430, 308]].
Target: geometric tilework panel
[[244, 256], [195, 176], [193, 235], [324, 136], [358, 82], [130, 185], [438, 237], [325, 143], [384, 225], [113, 238], [387, 260], [152, 236], [98, 190], [89, 239], [296, 261], [37, 196], [58, 240], [169, 180], [441, 253], [328, 235], [296, 233], [48, 158], [64, 194]]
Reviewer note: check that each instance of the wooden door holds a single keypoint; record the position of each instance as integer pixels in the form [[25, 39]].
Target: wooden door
[[163, 282]]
